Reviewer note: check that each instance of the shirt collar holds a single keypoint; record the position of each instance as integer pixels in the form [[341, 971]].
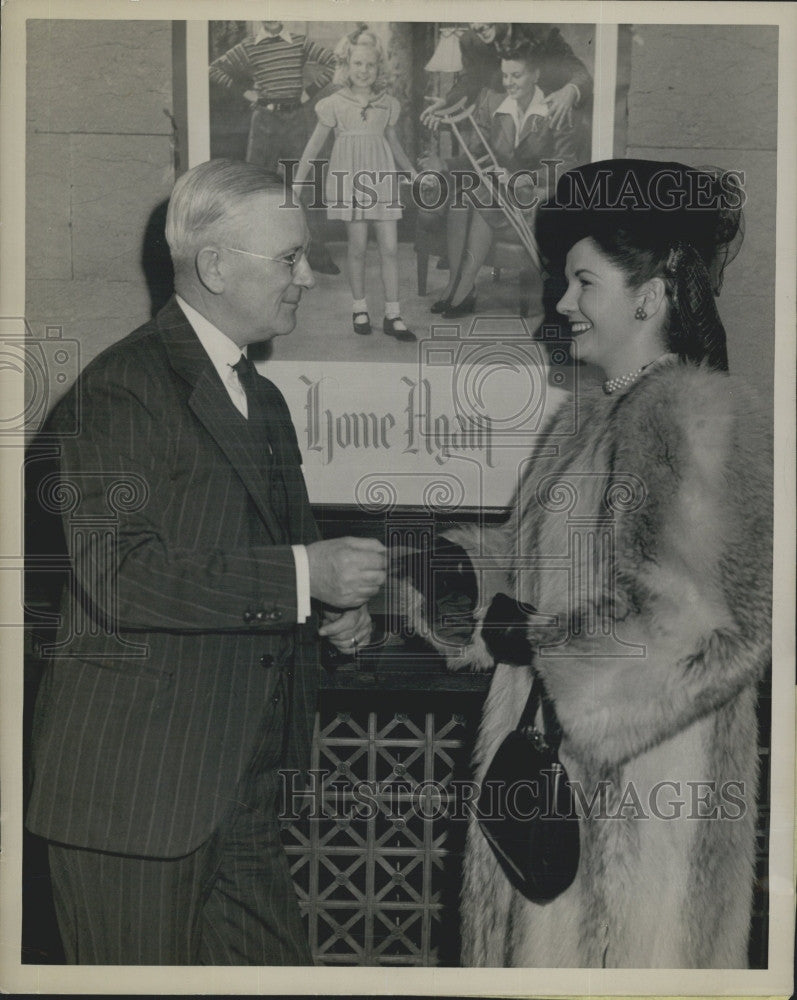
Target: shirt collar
[[378, 100], [537, 106], [284, 35], [222, 352]]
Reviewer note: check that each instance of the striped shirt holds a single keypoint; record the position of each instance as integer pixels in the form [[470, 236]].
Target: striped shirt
[[271, 66]]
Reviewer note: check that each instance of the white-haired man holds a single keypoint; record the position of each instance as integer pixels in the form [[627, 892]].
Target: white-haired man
[[186, 668]]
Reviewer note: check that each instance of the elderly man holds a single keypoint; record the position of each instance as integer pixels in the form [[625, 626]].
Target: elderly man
[[186, 666]]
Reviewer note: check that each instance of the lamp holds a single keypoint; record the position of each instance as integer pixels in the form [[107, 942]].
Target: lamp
[[447, 57]]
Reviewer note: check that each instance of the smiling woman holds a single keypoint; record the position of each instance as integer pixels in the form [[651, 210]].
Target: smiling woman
[[649, 643], [613, 326]]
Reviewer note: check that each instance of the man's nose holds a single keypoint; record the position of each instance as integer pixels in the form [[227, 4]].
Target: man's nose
[[303, 273]]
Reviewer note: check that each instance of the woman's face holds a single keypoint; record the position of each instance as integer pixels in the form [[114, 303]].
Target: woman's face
[[519, 80], [363, 66], [600, 308]]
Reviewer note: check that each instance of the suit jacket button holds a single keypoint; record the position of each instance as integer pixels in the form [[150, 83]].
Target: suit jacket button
[[260, 616], [249, 617], [267, 660], [275, 615]]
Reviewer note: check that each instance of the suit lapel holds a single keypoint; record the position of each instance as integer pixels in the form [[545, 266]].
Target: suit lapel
[[507, 130], [531, 127], [213, 408]]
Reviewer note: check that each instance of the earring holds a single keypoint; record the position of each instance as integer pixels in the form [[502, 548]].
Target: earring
[[640, 313]]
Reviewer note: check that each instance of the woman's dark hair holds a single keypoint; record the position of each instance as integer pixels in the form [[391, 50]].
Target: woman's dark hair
[[522, 50], [655, 219]]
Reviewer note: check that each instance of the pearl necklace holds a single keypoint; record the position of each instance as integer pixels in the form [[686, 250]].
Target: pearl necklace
[[612, 385]]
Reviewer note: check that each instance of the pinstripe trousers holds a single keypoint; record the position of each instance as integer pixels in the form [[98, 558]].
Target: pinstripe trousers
[[230, 902]]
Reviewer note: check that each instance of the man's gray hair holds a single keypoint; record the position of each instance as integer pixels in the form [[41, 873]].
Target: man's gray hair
[[203, 200]]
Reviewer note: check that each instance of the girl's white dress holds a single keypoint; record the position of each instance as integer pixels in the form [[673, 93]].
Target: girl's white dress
[[361, 182]]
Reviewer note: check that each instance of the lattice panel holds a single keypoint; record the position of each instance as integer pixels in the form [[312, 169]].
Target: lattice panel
[[367, 851], [377, 877]]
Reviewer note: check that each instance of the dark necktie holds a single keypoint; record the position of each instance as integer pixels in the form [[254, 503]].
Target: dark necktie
[[264, 422], [256, 404]]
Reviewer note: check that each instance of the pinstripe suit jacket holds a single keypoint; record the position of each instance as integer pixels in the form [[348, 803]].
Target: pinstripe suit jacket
[[182, 603]]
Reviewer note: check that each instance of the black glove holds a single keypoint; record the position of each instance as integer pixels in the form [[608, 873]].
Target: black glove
[[504, 631], [448, 584]]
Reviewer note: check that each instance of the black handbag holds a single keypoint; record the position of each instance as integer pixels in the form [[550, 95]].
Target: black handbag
[[525, 806]]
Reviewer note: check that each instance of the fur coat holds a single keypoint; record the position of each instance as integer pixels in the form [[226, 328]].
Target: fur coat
[[645, 544]]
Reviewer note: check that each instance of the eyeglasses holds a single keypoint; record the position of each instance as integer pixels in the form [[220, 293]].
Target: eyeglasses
[[291, 260]]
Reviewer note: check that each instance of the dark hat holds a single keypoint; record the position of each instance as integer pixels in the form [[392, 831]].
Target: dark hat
[[656, 204]]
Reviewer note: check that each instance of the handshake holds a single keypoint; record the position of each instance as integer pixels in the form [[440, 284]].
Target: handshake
[[346, 572], [444, 580], [447, 583]]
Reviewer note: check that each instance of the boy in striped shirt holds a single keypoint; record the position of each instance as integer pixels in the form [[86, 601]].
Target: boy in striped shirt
[[270, 70]]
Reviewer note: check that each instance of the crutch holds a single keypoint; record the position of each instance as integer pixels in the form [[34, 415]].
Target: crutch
[[457, 113]]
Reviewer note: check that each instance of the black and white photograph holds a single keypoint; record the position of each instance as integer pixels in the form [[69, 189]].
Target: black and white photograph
[[398, 487]]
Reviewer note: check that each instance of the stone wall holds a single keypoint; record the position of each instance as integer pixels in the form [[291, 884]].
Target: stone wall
[[100, 159], [708, 95]]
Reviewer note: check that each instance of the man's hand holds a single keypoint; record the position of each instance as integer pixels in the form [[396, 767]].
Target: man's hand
[[560, 104], [347, 630], [251, 96], [345, 572]]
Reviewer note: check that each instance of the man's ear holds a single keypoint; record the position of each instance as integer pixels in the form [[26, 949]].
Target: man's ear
[[208, 269], [652, 296]]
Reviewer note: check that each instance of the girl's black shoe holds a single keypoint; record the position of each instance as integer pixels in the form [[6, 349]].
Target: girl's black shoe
[[363, 325], [465, 307], [440, 306], [389, 327]]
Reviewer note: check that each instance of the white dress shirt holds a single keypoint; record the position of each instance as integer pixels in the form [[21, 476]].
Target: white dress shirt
[[223, 354], [536, 106]]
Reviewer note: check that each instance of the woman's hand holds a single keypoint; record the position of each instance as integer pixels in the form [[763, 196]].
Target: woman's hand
[[428, 115], [560, 104], [347, 630]]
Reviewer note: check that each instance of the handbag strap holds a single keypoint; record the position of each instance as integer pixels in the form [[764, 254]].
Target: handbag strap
[[552, 731]]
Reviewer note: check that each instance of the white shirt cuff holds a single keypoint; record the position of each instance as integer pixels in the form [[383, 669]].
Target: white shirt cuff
[[302, 583]]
